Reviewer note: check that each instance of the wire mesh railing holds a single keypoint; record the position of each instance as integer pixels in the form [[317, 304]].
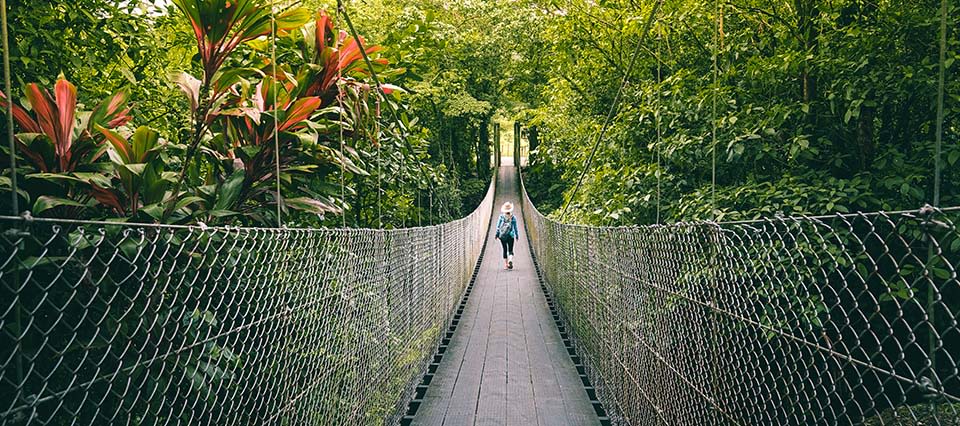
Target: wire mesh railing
[[108, 323], [837, 320]]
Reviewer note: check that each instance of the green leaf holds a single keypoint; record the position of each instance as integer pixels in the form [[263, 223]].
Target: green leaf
[[47, 202], [144, 141], [135, 168], [940, 273], [229, 192], [222, 213], [6, 183], [186, 201], [310, 205], [952, 157], [55, 177]]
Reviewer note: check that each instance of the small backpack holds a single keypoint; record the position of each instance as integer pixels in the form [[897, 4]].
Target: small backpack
[[505, 227]]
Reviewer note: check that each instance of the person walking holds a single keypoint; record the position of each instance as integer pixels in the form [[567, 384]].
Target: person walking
[[507, 233]]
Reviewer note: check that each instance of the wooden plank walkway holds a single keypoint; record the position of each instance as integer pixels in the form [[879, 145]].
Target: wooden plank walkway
[[506, 363]]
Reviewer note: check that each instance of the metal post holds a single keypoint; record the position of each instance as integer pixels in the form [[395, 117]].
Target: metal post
[[14, 202], [933, 293]]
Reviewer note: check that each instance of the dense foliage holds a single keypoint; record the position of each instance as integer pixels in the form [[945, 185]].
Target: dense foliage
[[748, 109], [818, 107], [200, 87]]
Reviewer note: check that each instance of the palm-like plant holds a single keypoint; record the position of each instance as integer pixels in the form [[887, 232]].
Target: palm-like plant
[[55, 137], [246, 144], [62, 144], [220, 26], [330, 54], [139, 169], [239, 110]]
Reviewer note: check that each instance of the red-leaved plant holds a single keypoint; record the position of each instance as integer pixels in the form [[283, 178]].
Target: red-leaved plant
[[220, 26], [63, 144], [53, 137]]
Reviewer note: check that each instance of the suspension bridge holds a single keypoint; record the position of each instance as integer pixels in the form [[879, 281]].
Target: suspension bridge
[[839, 319]]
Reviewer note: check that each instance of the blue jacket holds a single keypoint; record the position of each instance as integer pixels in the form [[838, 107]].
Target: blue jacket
[[513, 226]]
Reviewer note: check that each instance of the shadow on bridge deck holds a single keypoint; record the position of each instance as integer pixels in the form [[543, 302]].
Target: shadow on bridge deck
[[506, 363]]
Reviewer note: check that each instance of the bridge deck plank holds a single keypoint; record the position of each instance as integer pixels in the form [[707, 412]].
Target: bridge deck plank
[[506, 364]]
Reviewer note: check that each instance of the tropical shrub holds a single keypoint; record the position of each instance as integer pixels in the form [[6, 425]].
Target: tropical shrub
[[63, 144]]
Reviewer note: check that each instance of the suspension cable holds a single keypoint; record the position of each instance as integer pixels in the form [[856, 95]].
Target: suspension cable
[[276, 124], [376, 80], [659, 111], [713, 113], [932, 292], [14, 201], [343, 170], [376, 134], [613, 107], [940, 90]]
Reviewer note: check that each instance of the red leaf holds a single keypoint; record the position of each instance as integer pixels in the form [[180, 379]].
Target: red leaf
[[115, 102], [33, 156], [111, 112], [349, 53], [106, 197], [121, 119], [66, 95], [323, 26], [118, 143], [45, 111], [190, 87], [301, 110], [21, 116]]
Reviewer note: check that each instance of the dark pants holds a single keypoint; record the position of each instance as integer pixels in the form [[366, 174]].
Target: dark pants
[[507, 243]]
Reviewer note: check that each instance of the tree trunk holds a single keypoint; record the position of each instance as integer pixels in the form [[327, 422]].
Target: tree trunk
[[483, 149], [533, 139], [807, 15]]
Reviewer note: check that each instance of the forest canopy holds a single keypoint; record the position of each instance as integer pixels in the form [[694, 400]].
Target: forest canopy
[[733, 109]]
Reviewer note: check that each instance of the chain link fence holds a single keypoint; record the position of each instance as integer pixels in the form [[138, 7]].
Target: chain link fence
[[108, 323], [837, 320]]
